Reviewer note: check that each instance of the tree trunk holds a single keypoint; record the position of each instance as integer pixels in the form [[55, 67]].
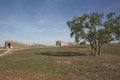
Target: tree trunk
[[99, 49], [95, 50], [92, 49]]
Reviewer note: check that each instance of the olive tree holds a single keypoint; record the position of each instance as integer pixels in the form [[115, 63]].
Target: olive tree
[[95, 29]]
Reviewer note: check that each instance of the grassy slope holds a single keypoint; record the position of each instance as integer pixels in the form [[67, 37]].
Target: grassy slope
[[61, 64]]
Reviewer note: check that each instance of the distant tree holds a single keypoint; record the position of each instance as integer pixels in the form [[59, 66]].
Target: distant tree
[[95, 29]]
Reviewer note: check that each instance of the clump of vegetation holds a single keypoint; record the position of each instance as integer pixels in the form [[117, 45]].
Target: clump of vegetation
[[95, 28]]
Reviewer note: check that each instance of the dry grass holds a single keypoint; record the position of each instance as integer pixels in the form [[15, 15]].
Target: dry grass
[[66, 63]]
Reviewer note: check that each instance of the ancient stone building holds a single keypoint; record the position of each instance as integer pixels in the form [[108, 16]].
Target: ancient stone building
[[15, 45], [61, 43]]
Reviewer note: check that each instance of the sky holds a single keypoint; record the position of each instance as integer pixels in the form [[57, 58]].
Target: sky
[[44, 21]]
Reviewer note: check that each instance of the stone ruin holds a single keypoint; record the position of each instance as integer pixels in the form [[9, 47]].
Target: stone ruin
[[61, 43], [10, 44]]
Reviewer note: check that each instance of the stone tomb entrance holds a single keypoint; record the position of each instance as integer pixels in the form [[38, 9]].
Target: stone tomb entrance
[[9, 44], [61, 43]]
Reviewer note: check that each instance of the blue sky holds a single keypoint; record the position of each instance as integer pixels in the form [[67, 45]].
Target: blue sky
[[44, 21]]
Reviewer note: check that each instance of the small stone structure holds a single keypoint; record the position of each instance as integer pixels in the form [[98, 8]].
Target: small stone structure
[[9, 44], [61, 43]]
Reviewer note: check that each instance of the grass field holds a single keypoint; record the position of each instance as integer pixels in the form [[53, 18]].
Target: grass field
[[64, 63]]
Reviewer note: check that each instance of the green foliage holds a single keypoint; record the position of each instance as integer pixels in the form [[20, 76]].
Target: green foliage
[[112, 25], [94, 29]]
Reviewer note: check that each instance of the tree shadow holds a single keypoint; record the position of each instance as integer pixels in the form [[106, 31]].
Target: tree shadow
[[62, 54]]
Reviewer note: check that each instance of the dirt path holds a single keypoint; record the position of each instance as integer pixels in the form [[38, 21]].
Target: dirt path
[[5, 53], [9, 51]]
